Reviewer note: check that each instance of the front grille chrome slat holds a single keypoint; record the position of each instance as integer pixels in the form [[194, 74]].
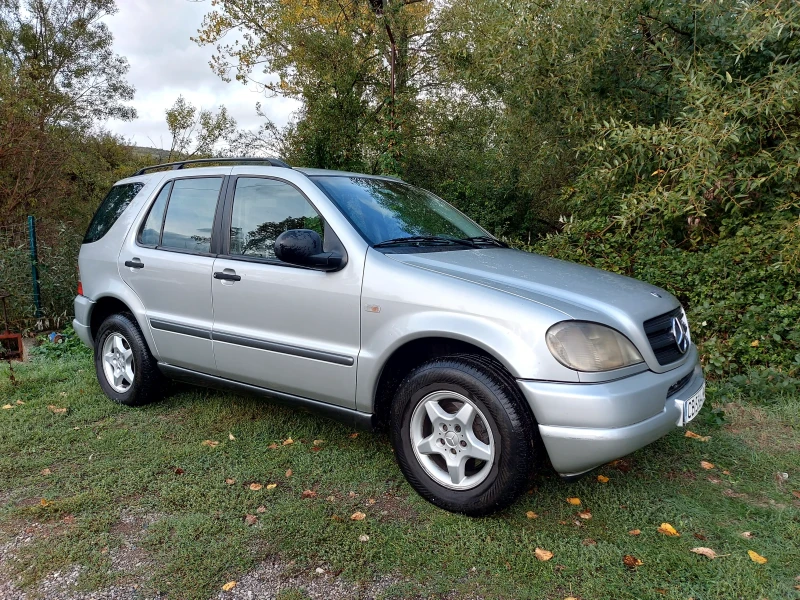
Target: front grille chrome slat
[[662, 341]]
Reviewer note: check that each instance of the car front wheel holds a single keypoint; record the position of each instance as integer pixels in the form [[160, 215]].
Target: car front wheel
[[462, 435]]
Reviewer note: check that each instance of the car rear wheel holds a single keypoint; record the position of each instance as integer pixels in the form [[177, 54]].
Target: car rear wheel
[[462, 435], [126, 370]]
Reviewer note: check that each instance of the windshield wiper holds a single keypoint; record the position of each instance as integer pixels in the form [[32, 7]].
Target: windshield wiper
[[421, 239], [485, 239]]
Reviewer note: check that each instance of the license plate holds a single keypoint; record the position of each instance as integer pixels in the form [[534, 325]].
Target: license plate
[[693, 405]]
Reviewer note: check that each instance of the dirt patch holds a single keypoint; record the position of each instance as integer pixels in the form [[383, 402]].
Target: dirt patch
[[759, 430]]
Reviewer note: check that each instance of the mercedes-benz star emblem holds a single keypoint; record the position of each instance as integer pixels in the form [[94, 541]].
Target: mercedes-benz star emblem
[[656, 294], [680, 334]]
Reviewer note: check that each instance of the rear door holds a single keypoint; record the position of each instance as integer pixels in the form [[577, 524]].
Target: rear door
[[168, 262], [280, 326]]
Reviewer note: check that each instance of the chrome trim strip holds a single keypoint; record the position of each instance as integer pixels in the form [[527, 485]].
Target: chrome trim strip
[[179, 328], [240, 340], [339, 413]]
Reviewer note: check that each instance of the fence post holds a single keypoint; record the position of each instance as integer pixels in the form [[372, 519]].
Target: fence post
[[34, 265]]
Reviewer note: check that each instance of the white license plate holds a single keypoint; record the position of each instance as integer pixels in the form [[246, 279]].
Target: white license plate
[[693, 405]]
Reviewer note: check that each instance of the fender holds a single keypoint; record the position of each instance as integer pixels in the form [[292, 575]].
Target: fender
[[119, 290]]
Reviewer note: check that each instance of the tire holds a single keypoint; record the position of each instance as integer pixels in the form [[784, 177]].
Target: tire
[[126, 370], [474, 410]]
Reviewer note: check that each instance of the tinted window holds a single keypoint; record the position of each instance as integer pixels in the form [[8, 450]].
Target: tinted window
[[110, 210], [262, 210], [151, 230], [383, 210], [190, 214]]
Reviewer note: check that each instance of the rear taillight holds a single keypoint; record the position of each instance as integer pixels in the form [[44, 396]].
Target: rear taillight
[[80, 289]]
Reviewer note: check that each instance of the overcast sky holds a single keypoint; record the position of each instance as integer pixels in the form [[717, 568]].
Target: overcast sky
[[154, 36]]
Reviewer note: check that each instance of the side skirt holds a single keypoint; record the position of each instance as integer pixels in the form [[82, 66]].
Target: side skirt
[[338, 413]]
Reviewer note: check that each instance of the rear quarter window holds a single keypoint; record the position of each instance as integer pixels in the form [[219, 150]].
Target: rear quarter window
[[111, 208]]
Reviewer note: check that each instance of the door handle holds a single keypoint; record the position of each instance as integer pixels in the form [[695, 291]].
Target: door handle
[[227, 276], [134, 264]]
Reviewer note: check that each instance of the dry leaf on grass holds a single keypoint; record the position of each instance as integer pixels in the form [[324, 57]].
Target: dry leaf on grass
[[318, 442], [231, 438], [706, 465], [630, 561], [272, 486], [209, 443], [20, 402], [308, 494], [602, 479], [56, 410], [288, 472], [250, 519], [694, 436], [358, 516], [7, 406], [179, 471], [288, 441], [542, 554], [796, 493], [756, 557], [531, 515], [45, 472], [668, 529], [272, 446], [255, 486], [747, 535], [363, 538], [708, 552], [635, 532], [230, 481], [574, 501], [229, 586], [754, 343], [589, 542], [585, 514], [353, 436], [261, 509], [44, 502]]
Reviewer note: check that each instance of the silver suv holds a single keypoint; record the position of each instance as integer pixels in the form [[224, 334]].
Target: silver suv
[[379, 304]]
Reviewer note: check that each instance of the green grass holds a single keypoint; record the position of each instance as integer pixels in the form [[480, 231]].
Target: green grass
[[121, 476]]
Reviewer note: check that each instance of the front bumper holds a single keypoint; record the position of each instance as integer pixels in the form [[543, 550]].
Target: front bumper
[[586, 425], [82, 321]]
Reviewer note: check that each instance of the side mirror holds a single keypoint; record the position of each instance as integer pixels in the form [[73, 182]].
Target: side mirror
[[304, 247]]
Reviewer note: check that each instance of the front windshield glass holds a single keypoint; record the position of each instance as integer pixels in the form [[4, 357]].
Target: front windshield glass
[[384, 210]]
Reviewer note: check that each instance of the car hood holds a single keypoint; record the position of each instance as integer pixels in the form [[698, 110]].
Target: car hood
[[578, 291]]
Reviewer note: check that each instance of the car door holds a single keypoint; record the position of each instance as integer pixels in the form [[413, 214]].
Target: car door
[[168, 262], [279, 326]]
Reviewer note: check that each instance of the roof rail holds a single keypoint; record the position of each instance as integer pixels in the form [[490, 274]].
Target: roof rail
[[273, 162]]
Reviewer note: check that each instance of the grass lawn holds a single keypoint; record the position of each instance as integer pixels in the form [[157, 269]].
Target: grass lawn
[[133, 500]]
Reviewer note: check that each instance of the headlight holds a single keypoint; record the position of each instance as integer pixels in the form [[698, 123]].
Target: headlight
[[590, 347]]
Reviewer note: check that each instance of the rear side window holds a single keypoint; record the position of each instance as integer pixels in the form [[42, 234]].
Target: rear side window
[[150, 235], [190, 214], [111, 208]]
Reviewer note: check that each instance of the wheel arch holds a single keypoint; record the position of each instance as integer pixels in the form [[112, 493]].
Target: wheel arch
[[115, 302]]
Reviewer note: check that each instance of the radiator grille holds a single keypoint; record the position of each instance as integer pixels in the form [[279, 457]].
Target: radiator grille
[[662, 341]]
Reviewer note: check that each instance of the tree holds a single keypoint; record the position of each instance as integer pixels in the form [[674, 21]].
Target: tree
[[196, 132]]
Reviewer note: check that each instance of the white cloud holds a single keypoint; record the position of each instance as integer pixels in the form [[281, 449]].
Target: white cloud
[[154, 35]]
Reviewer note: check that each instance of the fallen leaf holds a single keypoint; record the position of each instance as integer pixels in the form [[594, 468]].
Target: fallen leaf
[[602, 479], [796, 493], [273, 446], [585, 514], [19, 403], [44, 502], [179, 471], [716, 480], [754, 343], [705, 552], [7, 406], [272, 486], [352, 494], [45, 472], [756, 557], [318, 442], [574, 501], [531, 515], [668, 529], [250, 519], [319, 570], [706, 465], [336, 518], [230, 481], [308, 494], [229, 586], [631, 561], [589, 542], [68, 519], [694, 436], [699, 536], [230, 437], [261, 509], [358, 516], [209, 443], [331, 498], [747, 535], [315, 448], [635, 532], [543, 555], [353, 436], [288, 441], [256, 486], [56, 410], [363, 538], [288, 472]]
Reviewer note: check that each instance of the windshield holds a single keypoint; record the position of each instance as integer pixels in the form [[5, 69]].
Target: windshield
[[384, 210]]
